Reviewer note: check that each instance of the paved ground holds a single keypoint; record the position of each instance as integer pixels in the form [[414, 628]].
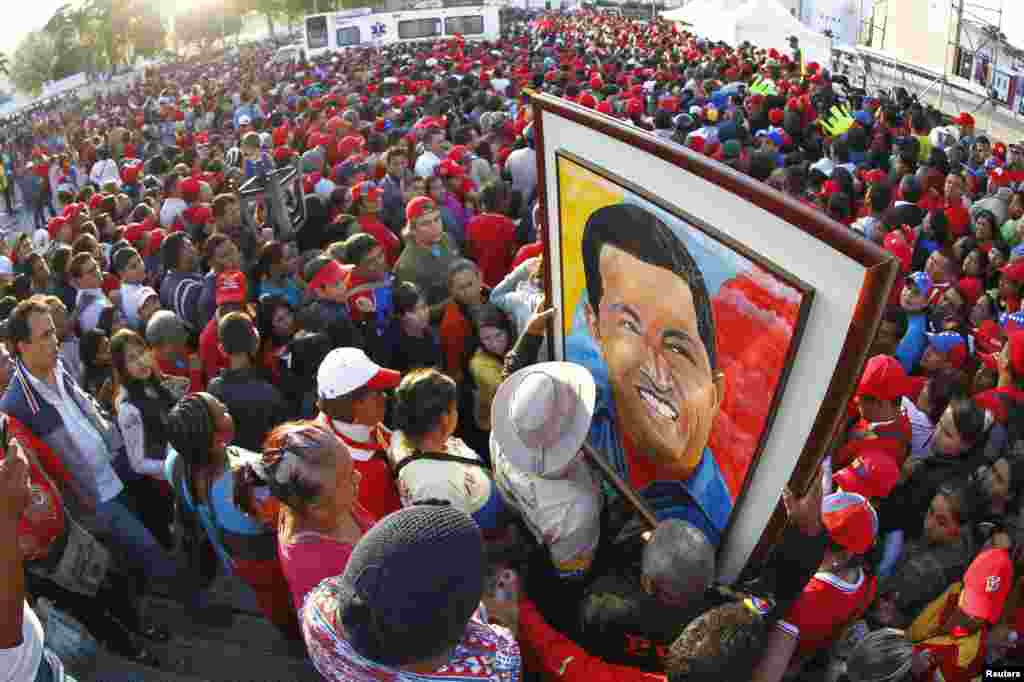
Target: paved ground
[[250, 650]]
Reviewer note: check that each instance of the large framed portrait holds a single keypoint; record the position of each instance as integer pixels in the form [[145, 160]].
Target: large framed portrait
[[724, 324]]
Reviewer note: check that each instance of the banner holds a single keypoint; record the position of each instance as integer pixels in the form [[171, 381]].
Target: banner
[[842, 17]]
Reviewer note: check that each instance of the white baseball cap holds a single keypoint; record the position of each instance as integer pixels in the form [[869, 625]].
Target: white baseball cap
[[244, 121], [6, 266], [346, 369], [541, 415]]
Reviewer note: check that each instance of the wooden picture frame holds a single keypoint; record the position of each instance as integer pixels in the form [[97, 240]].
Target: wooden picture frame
[[843, 282]]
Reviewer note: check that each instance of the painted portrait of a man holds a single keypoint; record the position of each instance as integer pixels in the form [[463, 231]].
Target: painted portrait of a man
[[648, 311]]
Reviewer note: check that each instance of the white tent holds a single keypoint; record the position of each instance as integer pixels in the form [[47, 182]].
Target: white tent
[[692, 12], [765, 24]]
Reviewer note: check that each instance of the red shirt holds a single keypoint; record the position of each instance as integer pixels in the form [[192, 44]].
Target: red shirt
[[959, 219], [209, 350], [377, 490], [559, 658], [492, 243], [826, 605], [363, 304], [455, 330], [384, 236]]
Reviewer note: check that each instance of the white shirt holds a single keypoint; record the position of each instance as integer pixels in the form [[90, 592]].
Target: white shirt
[[169, 212], [129, 419], [427, 162], [21, 663], [921, 429], [83, 434], [89, 316], [104, 171]]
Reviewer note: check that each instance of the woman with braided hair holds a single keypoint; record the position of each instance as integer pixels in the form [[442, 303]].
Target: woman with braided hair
[[210, 482], [310, 471]]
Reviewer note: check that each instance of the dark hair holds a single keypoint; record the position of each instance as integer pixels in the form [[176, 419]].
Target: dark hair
[[60, 259], [17, 327], [494, 195], [421, 400], [358, 246], [270, 253], [121, 259], [969, 419], [265, 310], [237, 334], [170, 250], [723, 643], [190, 430], [89, 347], [943, 385], [405, 297], [644, 236], [884, 655], [881, 197], [461, 265]]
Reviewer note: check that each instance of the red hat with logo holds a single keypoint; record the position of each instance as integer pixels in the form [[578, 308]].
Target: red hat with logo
[[873, 474], [850, 520], [418, 207], [987, 583], [230, 288], [885, 379]]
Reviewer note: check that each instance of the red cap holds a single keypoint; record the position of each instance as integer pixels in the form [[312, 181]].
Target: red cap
[[458, 153], [230, 288], [331, 273], [1014, 271], [987, 583], [450, 169], [776, 116], [885, 379], [1016, 350], [896, 244], [190, 189], [53, 227], [970, 288], [850, 520], [419, 206], [587, 100], [964, 119], [873, 474], [605, 107]]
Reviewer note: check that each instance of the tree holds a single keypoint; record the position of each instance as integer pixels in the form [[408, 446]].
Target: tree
[[33, 62], [5, 65]]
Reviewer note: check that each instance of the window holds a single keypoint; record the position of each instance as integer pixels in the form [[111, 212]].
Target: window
[[348, 35], [467, 26], [419, 28], [316, 32]]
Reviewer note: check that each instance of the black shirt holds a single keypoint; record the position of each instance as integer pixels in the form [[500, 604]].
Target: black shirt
[[254, 403]]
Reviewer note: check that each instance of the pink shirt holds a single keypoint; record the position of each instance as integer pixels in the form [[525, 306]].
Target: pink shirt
[[310, 557]]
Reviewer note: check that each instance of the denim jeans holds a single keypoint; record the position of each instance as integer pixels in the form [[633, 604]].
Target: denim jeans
[[114, 519]]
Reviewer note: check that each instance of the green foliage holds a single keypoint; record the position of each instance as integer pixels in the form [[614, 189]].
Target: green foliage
[[33, 62]]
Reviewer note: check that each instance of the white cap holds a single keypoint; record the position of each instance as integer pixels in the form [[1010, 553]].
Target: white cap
[[132, 299], [346, 369], [6, 266], [244, 121]]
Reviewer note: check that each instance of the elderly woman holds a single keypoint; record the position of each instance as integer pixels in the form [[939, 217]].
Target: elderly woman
[[429, 462], [310, 472]]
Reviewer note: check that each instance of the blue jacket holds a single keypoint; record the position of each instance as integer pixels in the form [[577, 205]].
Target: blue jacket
[[23, 402], [913, 343]]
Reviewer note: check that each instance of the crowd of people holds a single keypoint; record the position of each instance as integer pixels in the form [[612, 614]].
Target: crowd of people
[[358, 420]]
